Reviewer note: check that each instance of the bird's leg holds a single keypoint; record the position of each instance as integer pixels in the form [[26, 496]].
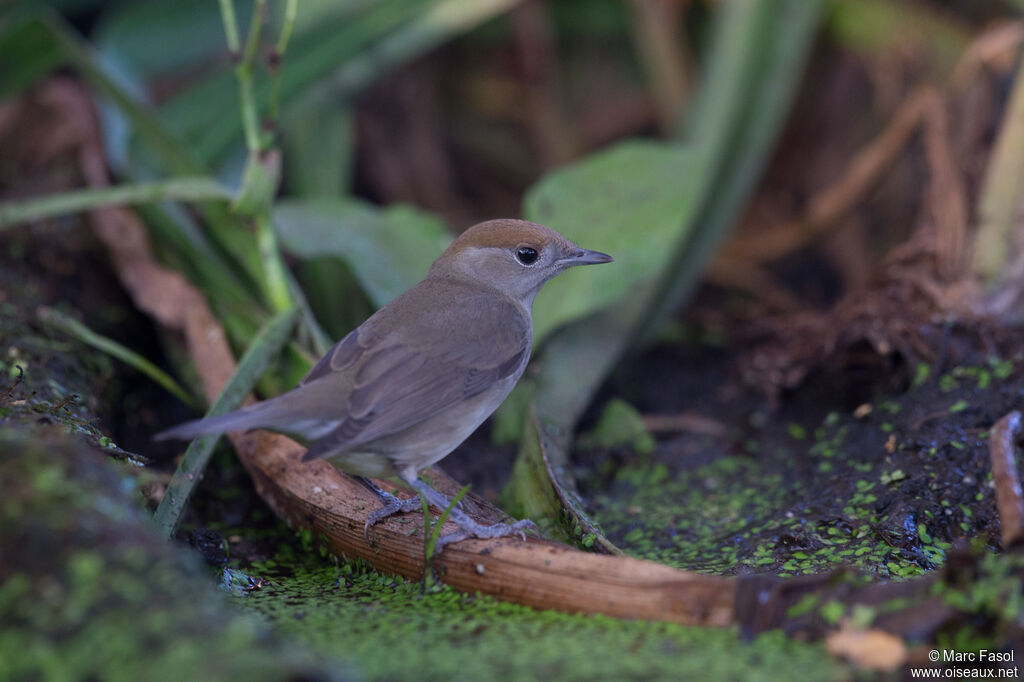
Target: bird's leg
[[468, 527], [390, 505]]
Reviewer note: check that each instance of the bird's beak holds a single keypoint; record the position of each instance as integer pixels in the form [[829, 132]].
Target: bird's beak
[[587, 257]]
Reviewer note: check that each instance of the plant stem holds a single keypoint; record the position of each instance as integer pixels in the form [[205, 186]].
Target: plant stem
[[275, 276], [250, 118], [227, 13], [267, 345], [181, 189], [430, 536], [290, 11]]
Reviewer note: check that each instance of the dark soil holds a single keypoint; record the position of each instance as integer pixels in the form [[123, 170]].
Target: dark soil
[[887, 482]]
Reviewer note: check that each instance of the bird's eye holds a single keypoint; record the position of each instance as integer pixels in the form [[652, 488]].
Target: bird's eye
[[526, 255]]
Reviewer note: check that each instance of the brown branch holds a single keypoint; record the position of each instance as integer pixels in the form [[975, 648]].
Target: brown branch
[[836, 201], [1003, 452], [686, 422], [946, 198], [537, 573]]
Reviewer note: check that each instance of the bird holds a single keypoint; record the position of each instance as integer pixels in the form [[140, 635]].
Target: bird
[[412, 382]]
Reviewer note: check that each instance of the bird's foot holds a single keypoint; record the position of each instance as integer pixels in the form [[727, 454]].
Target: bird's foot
[[389, 505], [468, 528]]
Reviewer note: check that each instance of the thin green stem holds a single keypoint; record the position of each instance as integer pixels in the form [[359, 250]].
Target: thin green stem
[[50, 206], [290, 11], [126, 355], [275, 275], [227, 13], [267, 345], [250, 117], [431, 535]]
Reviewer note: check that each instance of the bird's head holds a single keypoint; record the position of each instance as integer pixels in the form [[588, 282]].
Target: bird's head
[[514, 256]]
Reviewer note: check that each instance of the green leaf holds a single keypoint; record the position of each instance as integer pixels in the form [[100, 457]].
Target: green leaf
[[620, 425], [388, 250], [629, 201]]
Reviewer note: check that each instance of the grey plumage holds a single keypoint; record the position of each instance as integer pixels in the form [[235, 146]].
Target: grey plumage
[[415, 379]]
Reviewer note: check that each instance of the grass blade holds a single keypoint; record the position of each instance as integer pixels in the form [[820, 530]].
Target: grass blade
[[264, 349], [126, 355], [53, 205]]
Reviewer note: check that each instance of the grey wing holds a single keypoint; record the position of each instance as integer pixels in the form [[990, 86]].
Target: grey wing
[[342, 355], [398, 385]]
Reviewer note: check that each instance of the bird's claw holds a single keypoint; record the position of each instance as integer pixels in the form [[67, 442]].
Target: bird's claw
[[471, 529], [390, 505]]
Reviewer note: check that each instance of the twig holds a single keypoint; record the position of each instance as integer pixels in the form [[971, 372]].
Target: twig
[[994, 47], [758, 281], [1003, 452], [946, 197], [838, 199], [10, 389], [689, 422]]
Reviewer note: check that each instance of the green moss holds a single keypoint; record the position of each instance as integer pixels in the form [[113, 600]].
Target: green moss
[[842, 492], [92, 593], [393, 631], [921, 374]]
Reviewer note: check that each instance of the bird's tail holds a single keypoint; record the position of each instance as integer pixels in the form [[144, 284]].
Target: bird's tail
[[249, 417]]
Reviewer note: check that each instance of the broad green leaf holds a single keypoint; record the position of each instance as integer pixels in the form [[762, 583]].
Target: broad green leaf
[[389, 250], [628, 201]]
